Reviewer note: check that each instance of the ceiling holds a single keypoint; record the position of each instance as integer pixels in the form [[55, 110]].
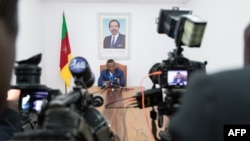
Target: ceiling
[[124, 1]]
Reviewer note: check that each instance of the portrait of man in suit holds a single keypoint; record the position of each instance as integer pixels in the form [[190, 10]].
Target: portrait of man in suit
[[116, 40], [114, 37]]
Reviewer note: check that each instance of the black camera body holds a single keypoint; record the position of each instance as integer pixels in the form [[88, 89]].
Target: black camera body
[[174, 78], [33, 98], [178, 66], [33, 95], [71, 116], [175, 71], [171, 67]]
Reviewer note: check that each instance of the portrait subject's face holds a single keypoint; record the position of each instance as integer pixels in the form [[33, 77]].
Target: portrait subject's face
[[114, 28], [111, 67]]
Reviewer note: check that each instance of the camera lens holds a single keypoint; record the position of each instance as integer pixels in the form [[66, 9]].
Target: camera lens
[[27, 74]]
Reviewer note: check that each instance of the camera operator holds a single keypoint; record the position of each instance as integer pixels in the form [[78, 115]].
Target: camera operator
[[9, 118], [213, 101]]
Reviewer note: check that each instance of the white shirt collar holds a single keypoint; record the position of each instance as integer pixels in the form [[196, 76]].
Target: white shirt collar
[[115, 36]]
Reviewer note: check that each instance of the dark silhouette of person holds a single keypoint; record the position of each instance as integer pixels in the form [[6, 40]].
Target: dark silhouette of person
[[10, 121], [116, 39]]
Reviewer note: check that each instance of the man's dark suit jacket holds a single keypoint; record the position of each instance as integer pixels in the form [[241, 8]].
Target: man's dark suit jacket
[[120, 42], [211, 102], [179, 80], [104, 76]]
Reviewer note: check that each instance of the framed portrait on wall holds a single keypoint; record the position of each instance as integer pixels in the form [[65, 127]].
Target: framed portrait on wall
[[114, 35]]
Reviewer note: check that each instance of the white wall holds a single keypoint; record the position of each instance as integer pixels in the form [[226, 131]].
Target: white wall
[[147, 46], [30, 33], [40, 30]]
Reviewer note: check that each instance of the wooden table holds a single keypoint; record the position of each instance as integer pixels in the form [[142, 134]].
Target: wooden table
[[130, 124]]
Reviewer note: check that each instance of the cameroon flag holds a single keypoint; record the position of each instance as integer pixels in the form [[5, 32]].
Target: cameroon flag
[[65, 54]]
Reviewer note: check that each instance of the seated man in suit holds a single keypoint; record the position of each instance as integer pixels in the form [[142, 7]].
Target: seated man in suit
[[112, 75], [179, 79]]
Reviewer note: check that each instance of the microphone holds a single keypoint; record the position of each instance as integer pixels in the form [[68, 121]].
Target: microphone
[[111, 79], [117, 79], [98, 100], [80, 69], [105, 85], [114, 81]]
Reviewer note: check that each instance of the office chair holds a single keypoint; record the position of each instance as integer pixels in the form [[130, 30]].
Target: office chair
[[119, 66]]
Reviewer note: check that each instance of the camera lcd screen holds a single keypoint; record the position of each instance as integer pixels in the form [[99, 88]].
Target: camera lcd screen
[[31, 101], [177, 78]]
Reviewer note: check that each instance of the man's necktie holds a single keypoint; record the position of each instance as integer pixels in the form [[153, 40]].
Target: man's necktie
[[111, 78], [113, 42]]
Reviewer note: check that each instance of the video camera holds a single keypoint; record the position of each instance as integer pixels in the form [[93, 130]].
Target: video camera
[[71, 116], [32, 94], [187, 30]]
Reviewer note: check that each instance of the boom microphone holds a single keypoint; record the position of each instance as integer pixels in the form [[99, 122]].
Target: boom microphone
[[80, 69]]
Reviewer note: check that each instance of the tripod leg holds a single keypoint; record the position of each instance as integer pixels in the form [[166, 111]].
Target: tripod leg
[[165, 136]]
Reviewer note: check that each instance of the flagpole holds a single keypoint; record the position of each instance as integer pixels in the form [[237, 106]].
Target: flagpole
[[65, 87], [65, 55]]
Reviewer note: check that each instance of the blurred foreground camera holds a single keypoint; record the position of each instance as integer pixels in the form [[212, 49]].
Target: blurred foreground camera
[[72, 116], [32, 94]]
